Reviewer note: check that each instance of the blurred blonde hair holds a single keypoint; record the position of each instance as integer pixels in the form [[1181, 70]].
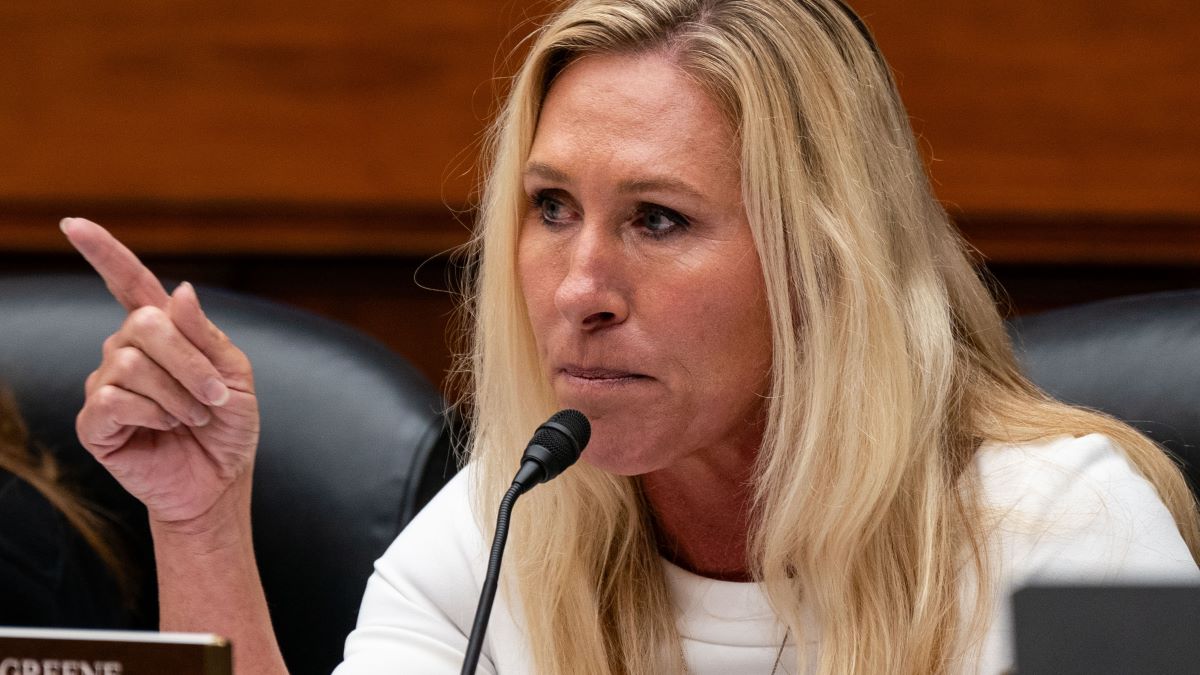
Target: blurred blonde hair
[[890, 361]]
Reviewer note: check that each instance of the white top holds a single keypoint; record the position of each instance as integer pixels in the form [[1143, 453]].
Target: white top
[[1068, 509]]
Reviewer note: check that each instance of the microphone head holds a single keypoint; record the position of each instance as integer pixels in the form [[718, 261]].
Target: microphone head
[[574, 424], [558, 442]]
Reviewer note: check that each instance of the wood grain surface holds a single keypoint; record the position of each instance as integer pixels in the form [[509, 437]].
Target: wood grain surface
[[320, 153], [178, 119]]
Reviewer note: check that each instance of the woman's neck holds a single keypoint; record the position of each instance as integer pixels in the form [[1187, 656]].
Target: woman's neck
[[701, 515]]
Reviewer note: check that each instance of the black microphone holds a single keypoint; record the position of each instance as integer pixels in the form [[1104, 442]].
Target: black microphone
[[554, 447]]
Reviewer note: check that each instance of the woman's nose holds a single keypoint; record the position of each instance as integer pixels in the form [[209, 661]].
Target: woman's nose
[[593, 293]]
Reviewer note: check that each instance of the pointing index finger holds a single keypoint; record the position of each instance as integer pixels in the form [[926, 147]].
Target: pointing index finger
[[127, 278]]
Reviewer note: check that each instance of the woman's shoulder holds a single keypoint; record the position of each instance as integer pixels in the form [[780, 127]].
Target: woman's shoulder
[[445, 529], [419, 603], [1075, 508], [1036, 473], [437, 556]]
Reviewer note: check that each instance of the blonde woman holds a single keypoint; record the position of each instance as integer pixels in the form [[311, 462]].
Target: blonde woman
[[706, 225]]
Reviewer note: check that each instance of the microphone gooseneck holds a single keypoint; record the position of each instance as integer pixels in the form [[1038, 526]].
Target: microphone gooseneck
[[555, 445]]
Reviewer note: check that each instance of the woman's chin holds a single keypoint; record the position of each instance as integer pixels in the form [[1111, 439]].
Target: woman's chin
[[624, 460]]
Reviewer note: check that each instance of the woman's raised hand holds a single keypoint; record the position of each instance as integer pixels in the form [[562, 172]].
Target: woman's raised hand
[[171, 410]]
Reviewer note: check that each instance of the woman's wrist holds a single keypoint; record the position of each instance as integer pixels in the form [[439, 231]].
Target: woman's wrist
[[208, 582], [223, 526]]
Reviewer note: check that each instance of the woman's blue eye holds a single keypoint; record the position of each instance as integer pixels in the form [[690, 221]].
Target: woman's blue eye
[[553, 211], [655, 221], [661, 222]]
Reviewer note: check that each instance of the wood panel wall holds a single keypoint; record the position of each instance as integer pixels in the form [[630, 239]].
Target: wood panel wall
[[325, 153]]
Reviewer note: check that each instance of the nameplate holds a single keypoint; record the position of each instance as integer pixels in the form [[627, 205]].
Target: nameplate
[[40, 651]]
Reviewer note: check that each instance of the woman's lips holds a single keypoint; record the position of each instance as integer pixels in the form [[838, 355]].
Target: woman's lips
[[584, 376], [601, 391]]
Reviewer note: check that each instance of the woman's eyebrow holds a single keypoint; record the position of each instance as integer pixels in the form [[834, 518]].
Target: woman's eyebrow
[[653, 184], [545, 172], [660, 184]]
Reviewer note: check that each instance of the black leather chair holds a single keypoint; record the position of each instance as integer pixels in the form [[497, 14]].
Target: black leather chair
[[353, 443], [1136, 358]]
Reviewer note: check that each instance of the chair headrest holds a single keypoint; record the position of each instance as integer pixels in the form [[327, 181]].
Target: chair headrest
[[1136, 358], [349, 433]]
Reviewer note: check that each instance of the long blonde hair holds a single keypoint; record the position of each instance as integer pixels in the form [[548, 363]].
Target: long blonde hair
[[890, 362]]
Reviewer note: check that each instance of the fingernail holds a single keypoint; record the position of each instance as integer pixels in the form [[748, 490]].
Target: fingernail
[[191, 289], [64, 224], [172, 422], [216, 392], [201, 417]]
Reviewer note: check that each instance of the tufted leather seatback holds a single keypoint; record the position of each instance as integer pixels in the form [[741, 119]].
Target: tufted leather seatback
[[353, 443]]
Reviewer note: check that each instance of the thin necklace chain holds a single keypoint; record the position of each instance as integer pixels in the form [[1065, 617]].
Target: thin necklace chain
[[779, 654]]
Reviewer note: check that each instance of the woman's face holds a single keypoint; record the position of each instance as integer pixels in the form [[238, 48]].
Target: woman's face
[[638, 268]]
